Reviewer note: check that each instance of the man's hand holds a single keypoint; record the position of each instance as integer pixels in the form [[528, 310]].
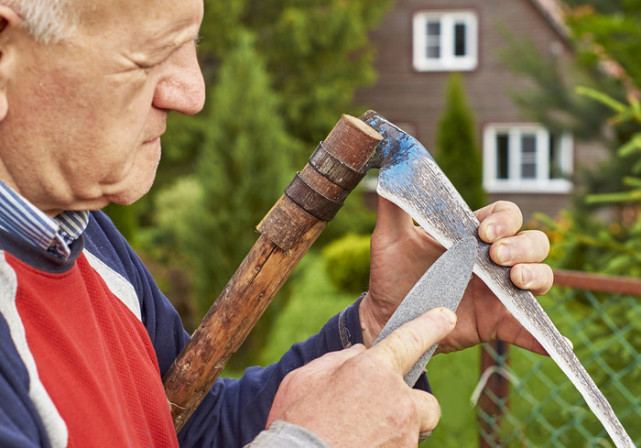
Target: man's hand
[[357, 397], [402, 252]]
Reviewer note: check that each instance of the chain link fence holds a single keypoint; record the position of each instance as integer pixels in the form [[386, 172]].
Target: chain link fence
[[525, 400]]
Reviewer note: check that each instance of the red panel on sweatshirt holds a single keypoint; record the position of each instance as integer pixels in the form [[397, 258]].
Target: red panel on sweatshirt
[[94, 358]]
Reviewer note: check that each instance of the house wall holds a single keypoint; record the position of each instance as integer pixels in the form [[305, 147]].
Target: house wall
[[415, 100]]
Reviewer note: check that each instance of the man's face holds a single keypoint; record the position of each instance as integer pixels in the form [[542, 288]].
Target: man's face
[[85, 116]]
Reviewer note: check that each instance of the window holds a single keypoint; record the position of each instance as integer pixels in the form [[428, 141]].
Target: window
[[526, 158], [445, 40]]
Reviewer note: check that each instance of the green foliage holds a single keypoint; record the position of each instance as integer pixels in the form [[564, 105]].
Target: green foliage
[[314, 300], [630, 149], [316, 52], [579, 240], [615, 32], [591, 245], [353, 217], [245, 165], [209, 217], [582, 243], [457, 149], [125, 219], [552, 100], [347, 263], [241, 169]]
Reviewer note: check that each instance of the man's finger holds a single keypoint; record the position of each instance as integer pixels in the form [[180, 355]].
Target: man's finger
[[538, 278], [428, 410], [529, 246], [333, 359], [499, 220], [512, 332], [405, 345], [390, 218]]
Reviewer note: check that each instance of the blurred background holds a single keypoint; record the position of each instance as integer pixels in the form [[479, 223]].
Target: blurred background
[[533, 101]]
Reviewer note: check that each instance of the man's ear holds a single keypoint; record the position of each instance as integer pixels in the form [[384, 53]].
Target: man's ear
[[10, 21]]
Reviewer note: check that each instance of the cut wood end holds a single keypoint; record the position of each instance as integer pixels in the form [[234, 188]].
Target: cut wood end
[[363, 127], [352, 142]]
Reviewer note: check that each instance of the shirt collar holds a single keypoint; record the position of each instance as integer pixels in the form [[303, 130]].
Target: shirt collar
[[22, 219]]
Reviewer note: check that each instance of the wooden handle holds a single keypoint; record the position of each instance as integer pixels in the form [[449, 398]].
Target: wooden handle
[[287, 232]]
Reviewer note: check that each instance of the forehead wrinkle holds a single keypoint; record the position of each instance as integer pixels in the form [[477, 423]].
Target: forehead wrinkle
[[160, 47], [151, 16]]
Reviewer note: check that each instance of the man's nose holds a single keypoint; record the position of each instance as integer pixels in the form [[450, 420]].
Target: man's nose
[[182, 87]]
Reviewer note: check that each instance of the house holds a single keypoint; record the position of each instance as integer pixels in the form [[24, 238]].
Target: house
[[420, 42]]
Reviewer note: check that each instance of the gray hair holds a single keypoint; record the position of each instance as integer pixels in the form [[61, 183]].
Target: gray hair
[[48, 21]]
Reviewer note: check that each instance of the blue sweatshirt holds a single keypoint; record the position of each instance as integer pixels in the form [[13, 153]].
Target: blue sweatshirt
[[85, 341]]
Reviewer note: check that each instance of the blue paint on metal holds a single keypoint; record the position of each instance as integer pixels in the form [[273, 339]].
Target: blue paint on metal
[[397, 145]]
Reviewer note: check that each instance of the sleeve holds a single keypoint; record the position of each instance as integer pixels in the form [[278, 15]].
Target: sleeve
[[21, 425], [282, 434], [238, 409]]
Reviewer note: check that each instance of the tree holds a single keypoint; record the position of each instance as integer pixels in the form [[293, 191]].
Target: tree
[[611, 31], [553, 101], [457, 149], [242, 168], [600, 31], [316, 52]]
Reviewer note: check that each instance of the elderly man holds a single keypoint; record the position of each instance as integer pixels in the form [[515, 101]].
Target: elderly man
[[85, 89]]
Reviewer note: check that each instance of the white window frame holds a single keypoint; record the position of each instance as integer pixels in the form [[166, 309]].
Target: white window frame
[[514, 183], [447, 60]]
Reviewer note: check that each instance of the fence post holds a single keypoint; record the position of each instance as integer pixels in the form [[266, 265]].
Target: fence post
[[494, 397]]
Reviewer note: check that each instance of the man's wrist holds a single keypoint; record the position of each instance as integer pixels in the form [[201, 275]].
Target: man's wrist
[[370, 325]]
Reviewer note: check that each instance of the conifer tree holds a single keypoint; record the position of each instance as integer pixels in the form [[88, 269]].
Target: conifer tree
[[457, 149], [241, 171]]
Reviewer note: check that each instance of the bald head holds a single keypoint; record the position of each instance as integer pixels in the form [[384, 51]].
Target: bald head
[[49, 21]]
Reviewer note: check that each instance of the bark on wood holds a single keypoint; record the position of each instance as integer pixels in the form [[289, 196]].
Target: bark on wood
[[287, 233]]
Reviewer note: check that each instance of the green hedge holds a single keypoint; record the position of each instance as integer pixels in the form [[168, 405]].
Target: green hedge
[[347, 263]]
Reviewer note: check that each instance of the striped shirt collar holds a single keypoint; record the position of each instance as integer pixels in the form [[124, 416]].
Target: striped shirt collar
[[22, 219]]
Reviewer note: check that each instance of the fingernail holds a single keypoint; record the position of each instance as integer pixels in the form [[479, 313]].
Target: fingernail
[[569, 342], [490, 232], [503, 253], [527, 277], [449, 316]]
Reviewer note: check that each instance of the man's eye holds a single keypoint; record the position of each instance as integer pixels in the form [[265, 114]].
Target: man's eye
[[147, 66]]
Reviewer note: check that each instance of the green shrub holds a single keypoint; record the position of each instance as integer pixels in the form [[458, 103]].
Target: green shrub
[[347, 263], [457, 149]]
